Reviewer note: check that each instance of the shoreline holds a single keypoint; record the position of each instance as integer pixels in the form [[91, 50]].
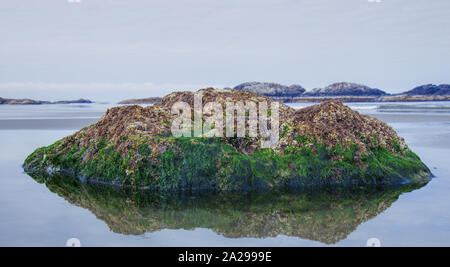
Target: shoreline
[[26, 101]]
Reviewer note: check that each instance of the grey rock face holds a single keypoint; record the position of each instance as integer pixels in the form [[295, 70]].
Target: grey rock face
[[346, 89], [430, 89], [271, 89]]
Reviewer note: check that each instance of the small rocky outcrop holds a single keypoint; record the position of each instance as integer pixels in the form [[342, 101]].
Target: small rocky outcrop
[[345, 89], [78, 101], [325, 144], [9, 101], [271, 89], [430, 90]]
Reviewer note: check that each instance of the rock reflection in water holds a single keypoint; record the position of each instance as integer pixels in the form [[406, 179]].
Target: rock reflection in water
[[327, 215]]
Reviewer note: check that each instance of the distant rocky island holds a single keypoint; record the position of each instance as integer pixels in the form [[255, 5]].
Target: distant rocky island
[[9, 101], [336, 89], [346, 89], [148, 100], [346, 92], [271, 89], [430, 90], [343, 91]]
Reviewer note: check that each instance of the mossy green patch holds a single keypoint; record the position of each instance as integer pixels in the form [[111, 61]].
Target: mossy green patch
[[209, 163]]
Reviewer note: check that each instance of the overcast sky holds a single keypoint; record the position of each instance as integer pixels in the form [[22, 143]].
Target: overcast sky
[[108, 50]]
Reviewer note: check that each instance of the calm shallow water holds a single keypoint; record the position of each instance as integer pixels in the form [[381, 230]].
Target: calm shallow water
[[31, 214]]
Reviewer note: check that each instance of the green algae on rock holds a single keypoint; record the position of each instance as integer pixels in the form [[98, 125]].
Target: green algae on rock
[[325, 144], [327, 215]]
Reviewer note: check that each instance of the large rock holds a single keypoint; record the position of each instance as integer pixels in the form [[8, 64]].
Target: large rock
[[345, 89], [325, 144], [271, 89]]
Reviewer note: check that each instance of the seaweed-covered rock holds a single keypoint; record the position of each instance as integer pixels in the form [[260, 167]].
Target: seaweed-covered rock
[[326, 144]]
